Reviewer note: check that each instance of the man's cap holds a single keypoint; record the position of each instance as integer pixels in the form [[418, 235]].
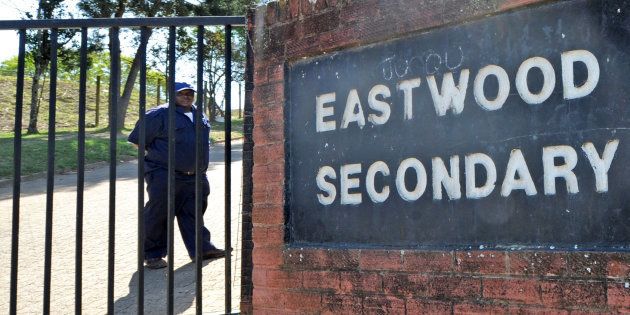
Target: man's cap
[[180, 86]]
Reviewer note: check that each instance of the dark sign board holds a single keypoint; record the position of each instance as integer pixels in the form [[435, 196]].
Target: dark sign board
[[508, 132]]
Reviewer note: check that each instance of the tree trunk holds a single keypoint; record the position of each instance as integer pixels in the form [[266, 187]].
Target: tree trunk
[[123, 101], [41, 62], [35, 88]]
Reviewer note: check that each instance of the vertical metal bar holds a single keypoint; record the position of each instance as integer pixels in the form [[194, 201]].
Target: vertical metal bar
[[17, 173], [198, 169], [51, 168], [171, 164], [78, 269], [228, 168], [113, 113], [144, 33]]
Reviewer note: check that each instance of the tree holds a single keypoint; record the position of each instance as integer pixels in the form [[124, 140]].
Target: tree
[[39, 51], [150, 8], [155, 8]]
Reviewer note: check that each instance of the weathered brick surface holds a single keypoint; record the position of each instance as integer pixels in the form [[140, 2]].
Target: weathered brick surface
[[518, 290], [486, 262], [293, 280]]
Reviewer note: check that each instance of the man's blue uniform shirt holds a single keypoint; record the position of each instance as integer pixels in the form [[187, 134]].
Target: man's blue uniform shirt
[[156, 131]]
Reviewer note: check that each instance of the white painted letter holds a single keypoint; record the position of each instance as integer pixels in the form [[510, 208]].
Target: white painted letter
[[568, 80], [517, 164], [376, 167], [549, 80], [441, 177], [349, 183], [452, 96], [601, 165], [470, 161], [321, 112], [406, 86], [380, 106], [350, 114], [551, 171], [421, 176], [328, 188], [504, 87]]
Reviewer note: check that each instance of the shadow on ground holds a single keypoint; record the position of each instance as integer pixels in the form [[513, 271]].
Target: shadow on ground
[[155, 296]]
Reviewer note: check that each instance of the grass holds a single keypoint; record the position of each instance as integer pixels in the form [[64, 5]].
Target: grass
[[35, 147], [35, 152]]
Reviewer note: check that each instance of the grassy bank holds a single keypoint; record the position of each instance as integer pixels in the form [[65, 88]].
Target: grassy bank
[[35, 147]]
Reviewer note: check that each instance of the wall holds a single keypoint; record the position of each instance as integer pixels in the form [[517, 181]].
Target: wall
[[337, 280]]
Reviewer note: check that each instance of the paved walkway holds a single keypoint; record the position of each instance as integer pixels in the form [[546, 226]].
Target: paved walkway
[[95, 242]]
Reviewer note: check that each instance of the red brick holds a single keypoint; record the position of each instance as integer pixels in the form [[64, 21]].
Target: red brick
[[483, 262], [380, 260], [268, 235], [469, 308], [358, 282], [309, 8], [535, 310], [428, 261], [383, 304], [519, 290], [275, 311], [318, 24], [273, 278], [318, 259], [341, 304], [618, 266], [269, 173], [454, 286], [459, 11], [268, 95], [271, 14], [266, 154], [286, 300], [566, 293], [267, 214], [320, 280], [275, 73], [585, 264], [538, 263], [270, 135], [619, 294], [511, 4], [429, 307], [305, 302], [271, 194], [402, 284], [269, 115], [267, 256]]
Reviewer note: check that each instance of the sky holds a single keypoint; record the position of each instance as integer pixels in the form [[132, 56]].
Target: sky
[[14, 10]]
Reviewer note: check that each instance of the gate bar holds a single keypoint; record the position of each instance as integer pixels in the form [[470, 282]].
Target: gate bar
[[51, 169], [17, 172], [171, 166], [228, 168], [78, 269], [144, 33], [198, 168], [123, 22], [114, 82]]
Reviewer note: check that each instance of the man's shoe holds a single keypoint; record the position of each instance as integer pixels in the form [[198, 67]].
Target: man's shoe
[[155, 263], [213, 253]]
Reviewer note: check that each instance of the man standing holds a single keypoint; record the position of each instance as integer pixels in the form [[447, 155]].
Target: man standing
[[156, 177]]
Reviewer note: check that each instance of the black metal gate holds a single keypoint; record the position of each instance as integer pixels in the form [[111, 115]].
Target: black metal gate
[[115, 24]]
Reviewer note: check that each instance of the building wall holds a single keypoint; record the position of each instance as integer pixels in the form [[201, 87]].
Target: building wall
[[336, 280]]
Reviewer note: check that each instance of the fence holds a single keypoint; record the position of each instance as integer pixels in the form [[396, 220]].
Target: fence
[[114, 25]]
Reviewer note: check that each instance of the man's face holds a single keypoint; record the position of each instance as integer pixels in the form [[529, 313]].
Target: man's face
[[185, 98]]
